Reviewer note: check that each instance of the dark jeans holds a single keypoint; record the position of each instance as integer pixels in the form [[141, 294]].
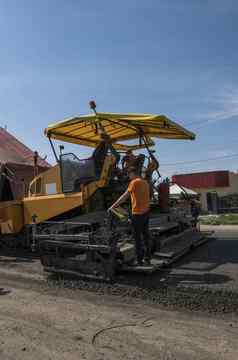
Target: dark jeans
[[140, 224]]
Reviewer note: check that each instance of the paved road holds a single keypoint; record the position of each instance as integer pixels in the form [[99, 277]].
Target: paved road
[[213, 265]]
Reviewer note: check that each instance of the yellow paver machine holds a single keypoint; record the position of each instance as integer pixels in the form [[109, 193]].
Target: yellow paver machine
[[65, 214]]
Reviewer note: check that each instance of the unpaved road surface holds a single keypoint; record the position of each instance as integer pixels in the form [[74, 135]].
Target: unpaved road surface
[[75, 319], [206, 279], [61, 324]]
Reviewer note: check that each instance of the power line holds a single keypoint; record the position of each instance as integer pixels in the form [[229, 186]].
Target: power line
[[209, 121], [193, 170], [202, 160], [200, 122], [202, 168]]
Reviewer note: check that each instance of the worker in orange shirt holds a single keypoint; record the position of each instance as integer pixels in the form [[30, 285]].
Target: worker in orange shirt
[[139, 192]]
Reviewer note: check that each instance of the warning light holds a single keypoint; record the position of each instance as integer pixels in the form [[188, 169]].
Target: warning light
[[92, 104]]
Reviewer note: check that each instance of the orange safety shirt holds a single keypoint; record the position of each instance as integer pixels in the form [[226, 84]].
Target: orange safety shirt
[[140, 196]]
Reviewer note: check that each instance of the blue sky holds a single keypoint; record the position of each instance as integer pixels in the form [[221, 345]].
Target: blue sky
[[176, 57]]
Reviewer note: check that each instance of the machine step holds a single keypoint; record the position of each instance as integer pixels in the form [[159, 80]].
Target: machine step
[[170, 254], [148, 269]]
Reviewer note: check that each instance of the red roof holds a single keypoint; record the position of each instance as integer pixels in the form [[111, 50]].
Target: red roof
[[14, 151], [209, 179]]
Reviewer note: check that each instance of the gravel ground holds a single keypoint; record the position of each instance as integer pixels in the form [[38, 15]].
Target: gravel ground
[[55, 320], [199, 299], [204, 280], [60, 324]]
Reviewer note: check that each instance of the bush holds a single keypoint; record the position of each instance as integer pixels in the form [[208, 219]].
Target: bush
[[224, 219]]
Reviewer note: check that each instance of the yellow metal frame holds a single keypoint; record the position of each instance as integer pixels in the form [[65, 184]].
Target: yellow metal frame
[[48, 206], [86, 130], [11, 217]]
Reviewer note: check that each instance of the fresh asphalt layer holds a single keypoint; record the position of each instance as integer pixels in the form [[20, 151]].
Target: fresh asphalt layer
[[206, 279], [213, 265]]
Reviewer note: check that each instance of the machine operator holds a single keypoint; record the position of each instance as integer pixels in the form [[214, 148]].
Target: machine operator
[[139, 192], [128, 160], [131, 160]]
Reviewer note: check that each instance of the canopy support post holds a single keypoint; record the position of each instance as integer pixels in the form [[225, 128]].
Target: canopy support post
[[53, 149], [150, 152]]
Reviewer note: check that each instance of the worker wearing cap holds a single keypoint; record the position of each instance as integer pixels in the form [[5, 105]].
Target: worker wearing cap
[[128, 160], [139, 192]]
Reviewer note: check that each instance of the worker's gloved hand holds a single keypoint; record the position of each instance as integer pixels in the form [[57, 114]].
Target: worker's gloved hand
[[110, 209]]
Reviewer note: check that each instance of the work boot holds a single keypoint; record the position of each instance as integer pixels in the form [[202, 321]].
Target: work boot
[[147, 262]]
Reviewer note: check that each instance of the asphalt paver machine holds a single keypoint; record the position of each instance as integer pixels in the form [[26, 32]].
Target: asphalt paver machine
[[67, 205]]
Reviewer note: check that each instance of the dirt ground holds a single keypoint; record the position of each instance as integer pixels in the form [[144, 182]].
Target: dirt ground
[[41, 323], [38, 321]]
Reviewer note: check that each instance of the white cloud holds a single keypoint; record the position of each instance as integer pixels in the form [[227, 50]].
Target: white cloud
[[220, 153], [224, 104], [229, 106]]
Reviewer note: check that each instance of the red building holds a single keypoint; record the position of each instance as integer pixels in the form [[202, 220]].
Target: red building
[[214, 187], [209, 179], [16, 166]]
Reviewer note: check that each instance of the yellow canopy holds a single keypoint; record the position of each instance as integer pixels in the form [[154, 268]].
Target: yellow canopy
[[85, 130]]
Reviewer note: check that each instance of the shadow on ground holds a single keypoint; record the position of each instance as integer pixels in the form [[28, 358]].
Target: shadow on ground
[[8, 256]]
